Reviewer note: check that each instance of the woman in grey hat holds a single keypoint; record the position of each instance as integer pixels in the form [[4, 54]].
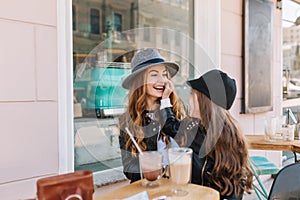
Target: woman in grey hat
[[220, 154], [151, 99]]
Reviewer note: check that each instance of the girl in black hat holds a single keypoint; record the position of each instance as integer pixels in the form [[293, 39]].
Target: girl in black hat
[[151, 95], [220, 155]]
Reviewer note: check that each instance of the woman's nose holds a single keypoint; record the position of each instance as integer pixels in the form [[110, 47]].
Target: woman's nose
[[162, 79]]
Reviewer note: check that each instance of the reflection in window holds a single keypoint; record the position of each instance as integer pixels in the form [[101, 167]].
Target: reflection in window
[[291, 49], [177, 38], [117, 22], [74, 17], [146, 33], [94, 21], [102, 59], [165, 37]]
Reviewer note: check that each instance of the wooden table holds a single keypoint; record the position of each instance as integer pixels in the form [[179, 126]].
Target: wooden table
[[195, 191], [258, 142]]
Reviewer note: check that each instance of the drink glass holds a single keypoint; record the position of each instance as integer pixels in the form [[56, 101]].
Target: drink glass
[[297, 131], [270, 128], [289, 133], [151, 168], [280, 124], [180, 161]]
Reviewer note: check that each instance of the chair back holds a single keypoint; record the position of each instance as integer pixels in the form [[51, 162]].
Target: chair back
[[286, 185], [71, 186]]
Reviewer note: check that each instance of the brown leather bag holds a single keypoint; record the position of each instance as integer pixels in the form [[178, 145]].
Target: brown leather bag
[[72, 186]]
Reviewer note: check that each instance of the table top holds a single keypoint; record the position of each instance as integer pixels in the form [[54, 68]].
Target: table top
[[195, 191], [258, 142]]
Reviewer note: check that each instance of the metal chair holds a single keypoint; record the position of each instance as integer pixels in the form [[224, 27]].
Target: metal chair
[[286, 185], [260, 165]]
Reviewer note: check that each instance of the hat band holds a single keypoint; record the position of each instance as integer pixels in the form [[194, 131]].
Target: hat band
[[152, 61]]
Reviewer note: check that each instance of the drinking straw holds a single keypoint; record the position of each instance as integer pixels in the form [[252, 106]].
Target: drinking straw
[[133, 140]]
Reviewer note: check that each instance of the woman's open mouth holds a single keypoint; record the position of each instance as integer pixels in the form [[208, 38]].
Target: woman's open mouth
[[159, 88]]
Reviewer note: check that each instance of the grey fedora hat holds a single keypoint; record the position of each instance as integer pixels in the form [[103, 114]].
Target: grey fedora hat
[[144, 59]]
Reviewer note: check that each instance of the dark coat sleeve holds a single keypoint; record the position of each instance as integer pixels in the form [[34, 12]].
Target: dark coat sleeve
[[130, 163], [170, 124], [131, 167]]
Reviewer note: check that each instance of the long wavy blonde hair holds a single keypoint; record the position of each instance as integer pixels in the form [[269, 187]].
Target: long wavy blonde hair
[[133, 117], [231, 172]]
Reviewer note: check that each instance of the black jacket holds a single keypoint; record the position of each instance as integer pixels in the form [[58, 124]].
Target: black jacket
[[194, 136], [202, 165], [151, 129]]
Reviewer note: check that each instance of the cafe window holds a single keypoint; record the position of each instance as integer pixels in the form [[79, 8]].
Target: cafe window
[[74, 17], [146, 33], [291, 63], [94, 19], [291, 49], [102, 59], [117, 22], [177, 39], [165, 37]]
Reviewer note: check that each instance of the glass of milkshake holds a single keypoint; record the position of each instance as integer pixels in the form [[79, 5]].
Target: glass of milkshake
[[180, 162]]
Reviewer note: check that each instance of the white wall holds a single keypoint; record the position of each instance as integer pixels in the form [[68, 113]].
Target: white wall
[[231, 61], [29, 95]]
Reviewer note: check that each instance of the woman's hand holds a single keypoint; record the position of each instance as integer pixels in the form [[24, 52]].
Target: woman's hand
[[169, 88]]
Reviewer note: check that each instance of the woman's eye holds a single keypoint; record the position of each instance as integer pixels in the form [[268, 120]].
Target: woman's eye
[[165, 75]]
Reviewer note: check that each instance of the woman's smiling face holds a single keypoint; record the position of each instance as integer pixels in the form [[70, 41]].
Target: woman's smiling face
[[156, 78]]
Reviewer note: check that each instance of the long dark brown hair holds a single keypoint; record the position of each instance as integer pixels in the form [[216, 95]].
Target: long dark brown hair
[[231, 172], [137, 105]]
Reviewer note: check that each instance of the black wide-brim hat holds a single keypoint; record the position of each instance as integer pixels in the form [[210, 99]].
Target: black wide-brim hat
[[217, 86], [143, 60]]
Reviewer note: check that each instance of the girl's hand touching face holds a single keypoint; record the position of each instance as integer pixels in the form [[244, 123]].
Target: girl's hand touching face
[[169, 88]]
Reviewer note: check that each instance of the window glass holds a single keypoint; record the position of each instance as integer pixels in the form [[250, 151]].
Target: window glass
[[101, 57], [74, 17], [117, 22], [165, 37], [291, 49], [94, 18]]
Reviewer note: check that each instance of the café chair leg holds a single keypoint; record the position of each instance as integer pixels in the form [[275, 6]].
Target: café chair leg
[[262, 166], [295, 157], [260, 191]]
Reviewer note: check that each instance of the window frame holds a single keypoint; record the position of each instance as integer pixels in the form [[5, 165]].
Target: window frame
[[65, 86]]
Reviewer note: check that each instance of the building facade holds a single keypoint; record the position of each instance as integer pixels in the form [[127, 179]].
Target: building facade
[[36, 102]]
